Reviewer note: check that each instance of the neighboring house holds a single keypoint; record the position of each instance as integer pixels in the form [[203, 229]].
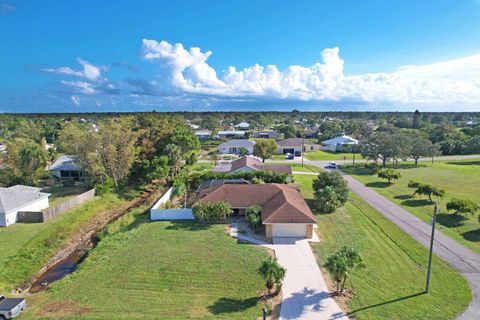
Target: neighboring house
[[203, 134], [294, 146], [284, 212], [341, 143], [266, 134], [228, 134], [310, 133], [251, 164], [20, 199], [66, 168], [235, 145], [243, 126]]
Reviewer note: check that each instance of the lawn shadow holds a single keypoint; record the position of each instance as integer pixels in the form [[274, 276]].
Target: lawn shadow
[[416, 203], [378, 184], [403, 197], [465, 163], [472, 235], [229, 305], [450, 220], [187, 225], [387, 302]]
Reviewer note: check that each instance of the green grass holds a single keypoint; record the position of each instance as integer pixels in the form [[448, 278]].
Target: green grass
[[391, 284], [328, 155], [459, 179], [202, 166], [34, 244], [59, 193], [160, 270], [298, 167]]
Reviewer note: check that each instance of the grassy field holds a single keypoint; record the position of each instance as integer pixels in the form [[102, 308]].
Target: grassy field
[[298, 167], [203, 166], [391, 285], [459, 179], [31, 245], [159, 270], [328, 155], [59, 193]]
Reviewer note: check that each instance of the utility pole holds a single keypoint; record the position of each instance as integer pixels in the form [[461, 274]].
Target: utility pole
[[434, 220], [303, 146], [353, 154]]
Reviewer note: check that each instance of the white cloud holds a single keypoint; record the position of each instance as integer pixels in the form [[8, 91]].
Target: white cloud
[[6, 7], [89, 71], [75, 100], [448, 82], [80, 86]]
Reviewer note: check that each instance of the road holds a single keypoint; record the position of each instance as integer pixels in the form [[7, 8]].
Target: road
[[456, 255]]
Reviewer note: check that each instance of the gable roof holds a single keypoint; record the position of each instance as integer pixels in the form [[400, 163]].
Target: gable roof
[[344, 139], [19, 196], [280, 203], [65, 162], [239, 143], [295, 142], [258, 165]]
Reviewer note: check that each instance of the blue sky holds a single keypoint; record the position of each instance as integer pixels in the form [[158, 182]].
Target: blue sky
[[45, 46]]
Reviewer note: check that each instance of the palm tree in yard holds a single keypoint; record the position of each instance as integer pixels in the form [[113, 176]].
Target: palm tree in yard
[[32, 158], [272, 272], [341, 263]]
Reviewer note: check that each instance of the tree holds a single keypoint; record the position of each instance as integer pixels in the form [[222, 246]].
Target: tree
[[389, 174], [243, 152], [265, 148], [174, 155], [330, 129], [288, 131], [416, 119], [254, 216], [341, 264], [462, 206], [326, 200], [420, 147], [272, 272], [335, 181], [426, 190], [212, 210], [449, 138], [33, 158]]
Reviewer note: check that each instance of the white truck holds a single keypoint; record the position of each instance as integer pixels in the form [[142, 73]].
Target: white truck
[[11, 307]]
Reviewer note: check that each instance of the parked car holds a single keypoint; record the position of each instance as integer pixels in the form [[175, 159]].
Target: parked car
[[298, 154], [289, 156], [11, 307], [332, 165]]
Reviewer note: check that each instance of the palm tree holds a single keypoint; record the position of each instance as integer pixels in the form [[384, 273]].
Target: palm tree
[[32, 158], [341, 263], [272, 272]]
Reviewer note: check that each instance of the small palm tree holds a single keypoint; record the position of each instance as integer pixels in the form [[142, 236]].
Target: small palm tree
[[341, 263], [272, 272]]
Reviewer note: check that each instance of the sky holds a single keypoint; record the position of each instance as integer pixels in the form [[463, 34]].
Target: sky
[[95, 56]]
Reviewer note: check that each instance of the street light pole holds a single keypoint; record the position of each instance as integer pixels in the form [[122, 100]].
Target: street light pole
[[303, 146], [434, 220]]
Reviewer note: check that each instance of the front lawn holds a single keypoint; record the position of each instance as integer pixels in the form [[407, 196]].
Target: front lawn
[[459, 179], [391, 285], [331, 156], [160, 270], [297, 167], [60, 194]]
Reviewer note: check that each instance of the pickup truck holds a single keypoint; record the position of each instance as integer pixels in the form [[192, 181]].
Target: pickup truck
[[11, 307]]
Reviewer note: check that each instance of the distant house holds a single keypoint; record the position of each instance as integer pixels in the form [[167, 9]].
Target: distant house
[[310, 133], [235, 145], [294, 146], [251, 164], [229, 134], [203, 134], [341, 143], [266, 134], [20, 199], [66, 167], [284, 212], [243, 126]]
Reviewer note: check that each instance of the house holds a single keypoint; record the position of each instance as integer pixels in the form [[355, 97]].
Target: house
[[229, 134], [243, 126], [203, 134], [294, 146], [66, 168], [235, 145], [310, 133], [341, 143], [266, 134], [284, 211], [251, 164], [20, 199]]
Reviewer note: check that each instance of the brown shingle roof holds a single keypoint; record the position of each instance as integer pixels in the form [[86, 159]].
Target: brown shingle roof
[[258, 165], [280, 203]]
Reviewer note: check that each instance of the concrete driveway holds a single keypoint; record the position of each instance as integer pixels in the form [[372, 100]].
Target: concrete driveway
[[305, 294]]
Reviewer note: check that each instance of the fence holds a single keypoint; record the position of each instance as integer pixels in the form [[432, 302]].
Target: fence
[[169, 214], [55, 211]]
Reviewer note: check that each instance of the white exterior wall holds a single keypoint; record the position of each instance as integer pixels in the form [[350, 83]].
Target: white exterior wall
[[330, 147], [12, 216], [289, 230], [56, 173], [169, 214], [226, 150]]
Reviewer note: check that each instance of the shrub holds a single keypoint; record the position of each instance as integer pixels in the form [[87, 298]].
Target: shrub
[[331, 191], [212, 211], [389, 174], [462, 206], [196, 179], [104, 187], [254, 217], [327, 200], [426, 189]]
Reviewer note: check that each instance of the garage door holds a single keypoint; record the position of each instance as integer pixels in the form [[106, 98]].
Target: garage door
[[288, 150], [289, 230]]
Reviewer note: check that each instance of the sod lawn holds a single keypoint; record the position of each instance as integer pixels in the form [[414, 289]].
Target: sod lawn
[[330, 156], [459, 179], [159, 270], [297, 167], [391, 285]]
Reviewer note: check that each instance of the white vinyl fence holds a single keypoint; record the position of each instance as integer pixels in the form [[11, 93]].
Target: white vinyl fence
[[156, 213]]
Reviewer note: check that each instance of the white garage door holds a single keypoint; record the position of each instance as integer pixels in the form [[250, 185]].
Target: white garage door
[[289, 230]]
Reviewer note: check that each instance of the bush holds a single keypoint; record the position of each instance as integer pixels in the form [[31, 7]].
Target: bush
[[373, 166], [212, 211], [462, 206], [104, 187], [426, 189], [268, 177], [389, 174], [254, 217], [327, 200], [331, 191]]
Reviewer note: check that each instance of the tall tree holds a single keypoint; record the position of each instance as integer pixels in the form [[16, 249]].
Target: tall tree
[[265, 148], [33, 158]]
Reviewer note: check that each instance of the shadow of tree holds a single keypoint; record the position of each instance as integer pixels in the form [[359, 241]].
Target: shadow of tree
[[378, 184], [188, 225], [416, 203], [403, 196], [228, 305], [465, 163], [388, 302], [294, 305], [450, 220], [472, 235]]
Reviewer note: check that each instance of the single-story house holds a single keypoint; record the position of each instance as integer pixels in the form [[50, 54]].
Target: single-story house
[[266, 134], [243, 125], [203, 134], [294, 145], [235, 145], [311, 133], [251, 164], [284, 211], [20, 198], [66, 167], [228, 134], [341, 143]]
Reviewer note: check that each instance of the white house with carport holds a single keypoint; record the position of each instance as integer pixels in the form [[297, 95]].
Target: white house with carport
[[235, 145], [20, 198], [243, 126], [341, 143], [66, 167]]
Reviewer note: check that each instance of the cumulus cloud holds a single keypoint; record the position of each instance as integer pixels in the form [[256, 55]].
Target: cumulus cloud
[[89, 71], [448, 82]]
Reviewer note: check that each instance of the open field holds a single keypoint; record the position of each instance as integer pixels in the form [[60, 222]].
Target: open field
[[328, 155], [31, 245], [59, 193], [160, 270], [459, 179], [391, 285]]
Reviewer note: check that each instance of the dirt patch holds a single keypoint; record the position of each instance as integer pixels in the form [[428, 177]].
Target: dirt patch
[[63, 308]]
